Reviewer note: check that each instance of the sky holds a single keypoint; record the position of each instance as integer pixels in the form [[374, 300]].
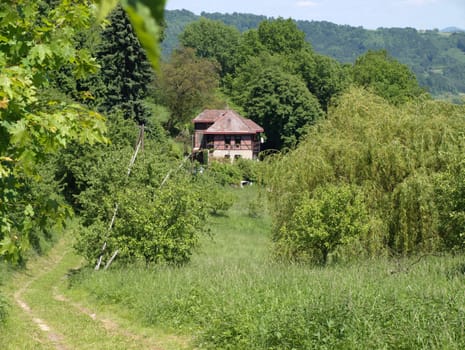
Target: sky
[[370, 14]]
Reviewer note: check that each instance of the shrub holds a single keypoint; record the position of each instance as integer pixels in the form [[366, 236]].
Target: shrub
[[224, 173], [248, 169], [159, 217], [332, 216]]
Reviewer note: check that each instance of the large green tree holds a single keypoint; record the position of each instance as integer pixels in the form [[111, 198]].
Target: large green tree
[[277, 100], [213, 39], [386, 76], [35, 42], [187, 84], [281, 36], [405, 165], [125, 71], [37, 39]]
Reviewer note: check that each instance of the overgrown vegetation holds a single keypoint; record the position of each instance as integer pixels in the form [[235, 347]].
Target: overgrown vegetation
[[232, 296], [405, 163]]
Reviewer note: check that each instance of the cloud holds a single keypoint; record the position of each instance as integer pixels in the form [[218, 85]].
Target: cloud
[[306, 3]]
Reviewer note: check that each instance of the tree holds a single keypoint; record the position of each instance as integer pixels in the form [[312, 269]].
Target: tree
[[36, 41], [324, 76], [187, 83], [405, 161], [278, 101], [334, 215], [158, 220], [386, 76], [213, 39], [125, 71], [281, 36]]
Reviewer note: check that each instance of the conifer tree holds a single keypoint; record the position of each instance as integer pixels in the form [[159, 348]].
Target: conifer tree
[[125, 70]]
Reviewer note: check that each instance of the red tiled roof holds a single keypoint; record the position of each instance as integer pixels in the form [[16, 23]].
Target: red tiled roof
[[227, 122], [209, 115]]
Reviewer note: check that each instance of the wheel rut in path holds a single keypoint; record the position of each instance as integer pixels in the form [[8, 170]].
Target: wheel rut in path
[[54, 337], [39, 298]]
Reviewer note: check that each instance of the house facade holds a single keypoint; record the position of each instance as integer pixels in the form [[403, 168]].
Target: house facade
[[226, 134]]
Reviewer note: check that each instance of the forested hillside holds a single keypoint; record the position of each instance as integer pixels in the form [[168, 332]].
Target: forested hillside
[[437, 58]]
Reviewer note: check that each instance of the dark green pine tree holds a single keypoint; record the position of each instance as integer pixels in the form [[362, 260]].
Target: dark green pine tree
[[125, 71]]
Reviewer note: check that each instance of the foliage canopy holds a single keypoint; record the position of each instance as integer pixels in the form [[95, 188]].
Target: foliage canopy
[[398, 157]]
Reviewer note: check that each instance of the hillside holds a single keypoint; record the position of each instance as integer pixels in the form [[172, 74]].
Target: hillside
[[437, 58]]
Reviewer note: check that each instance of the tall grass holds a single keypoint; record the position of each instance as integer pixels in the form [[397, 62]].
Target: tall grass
[[3, 302], [232, 296]]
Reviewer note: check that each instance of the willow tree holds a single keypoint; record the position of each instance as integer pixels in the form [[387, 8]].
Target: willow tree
[[404, 162]]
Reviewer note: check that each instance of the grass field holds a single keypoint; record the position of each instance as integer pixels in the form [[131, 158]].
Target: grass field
[[232, 296]]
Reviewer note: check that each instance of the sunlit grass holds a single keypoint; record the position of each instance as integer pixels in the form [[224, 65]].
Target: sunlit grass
[[232, 296]]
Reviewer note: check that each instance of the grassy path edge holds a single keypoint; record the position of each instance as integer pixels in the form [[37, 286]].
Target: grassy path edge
[[45, 316]]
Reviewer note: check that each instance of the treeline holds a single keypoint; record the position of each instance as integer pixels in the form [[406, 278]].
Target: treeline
[[436, 58], [369, 164]]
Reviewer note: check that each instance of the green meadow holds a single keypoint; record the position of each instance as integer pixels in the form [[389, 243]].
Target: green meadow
[[233, 295]]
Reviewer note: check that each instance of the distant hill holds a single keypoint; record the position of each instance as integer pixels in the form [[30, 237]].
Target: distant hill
[[436, 57], [452, 30]]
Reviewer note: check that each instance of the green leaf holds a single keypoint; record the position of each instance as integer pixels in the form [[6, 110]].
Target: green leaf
[[144, 15], [5, 85], [19, 132], [104, 7], [40, 52]]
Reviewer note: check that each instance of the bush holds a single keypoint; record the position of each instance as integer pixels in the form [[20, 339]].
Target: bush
[[248, 169], [224, 173], [218, 198], [332, 216], [159, 217]]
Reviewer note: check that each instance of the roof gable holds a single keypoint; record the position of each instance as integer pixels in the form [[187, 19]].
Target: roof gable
[[227, 122]]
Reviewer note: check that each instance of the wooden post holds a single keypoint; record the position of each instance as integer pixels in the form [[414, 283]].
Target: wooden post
[[111, 259]]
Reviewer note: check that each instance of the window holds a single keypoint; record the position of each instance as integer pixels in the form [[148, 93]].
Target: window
[[237, 156], [210, 142], [227, 156], [227, 140], [237, 141]]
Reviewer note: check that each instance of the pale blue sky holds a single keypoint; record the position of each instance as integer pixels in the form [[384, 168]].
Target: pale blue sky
[[371, 14]]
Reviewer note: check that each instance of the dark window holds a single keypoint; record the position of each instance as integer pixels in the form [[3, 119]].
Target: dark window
[[210, 142], [237, 141], [227, 139]]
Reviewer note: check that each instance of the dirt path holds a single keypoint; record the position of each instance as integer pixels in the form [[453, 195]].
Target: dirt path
[[62, 323]]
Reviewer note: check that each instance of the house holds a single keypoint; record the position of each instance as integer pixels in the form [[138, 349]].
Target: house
[[225, 134]]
